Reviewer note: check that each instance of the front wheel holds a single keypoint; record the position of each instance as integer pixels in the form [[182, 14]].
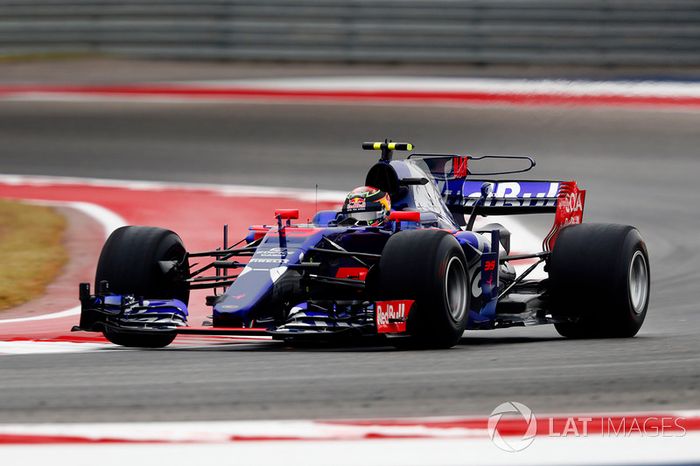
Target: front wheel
[[138, 340], [600, 281], [130, 263], [429, 267]]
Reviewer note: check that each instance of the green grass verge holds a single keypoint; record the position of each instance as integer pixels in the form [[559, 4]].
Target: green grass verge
[[32, 251]]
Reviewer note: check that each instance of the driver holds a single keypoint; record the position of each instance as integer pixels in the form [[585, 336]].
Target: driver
[[366, 206]]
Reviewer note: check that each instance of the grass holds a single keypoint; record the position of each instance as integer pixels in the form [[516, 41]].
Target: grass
[[32, 252]]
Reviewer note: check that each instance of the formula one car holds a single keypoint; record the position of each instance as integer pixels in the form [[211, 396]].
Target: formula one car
[[401, 262]]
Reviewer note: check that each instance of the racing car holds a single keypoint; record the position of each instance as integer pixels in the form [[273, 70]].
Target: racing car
[[401, 263]]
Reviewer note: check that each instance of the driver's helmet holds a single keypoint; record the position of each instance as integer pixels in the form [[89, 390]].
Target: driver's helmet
[[367, 205]]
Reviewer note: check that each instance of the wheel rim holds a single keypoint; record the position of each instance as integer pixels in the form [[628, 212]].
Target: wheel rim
[[456, 289], [638, 282]]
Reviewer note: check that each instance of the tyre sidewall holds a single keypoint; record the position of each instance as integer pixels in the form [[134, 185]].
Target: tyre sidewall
[[627, 322], [431, 314]]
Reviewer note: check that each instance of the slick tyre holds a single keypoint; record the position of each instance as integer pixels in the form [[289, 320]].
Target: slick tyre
[[600, 281], [139, 340], [429, 267], [129, 262]]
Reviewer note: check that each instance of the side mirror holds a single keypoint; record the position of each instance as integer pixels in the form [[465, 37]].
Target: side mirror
[[404, 216], [287, 214]]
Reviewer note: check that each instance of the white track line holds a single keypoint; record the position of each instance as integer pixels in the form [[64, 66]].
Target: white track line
[[301, 429], [458, 84], [222, 431], [41, 347], [433, 452]]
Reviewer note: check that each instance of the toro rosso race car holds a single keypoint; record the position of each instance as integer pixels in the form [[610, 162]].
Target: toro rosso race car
[[401, 262]]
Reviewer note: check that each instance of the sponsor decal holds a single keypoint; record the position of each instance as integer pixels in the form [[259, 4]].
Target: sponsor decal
[[512, 194], [489, 283], [570, 208], [268, 261], [391, 316], [274, 252], [356, 203], [570, 204]]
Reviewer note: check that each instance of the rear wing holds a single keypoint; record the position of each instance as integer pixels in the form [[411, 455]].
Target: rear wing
[[562, 198], [460, 186], [483, 197], [509, 197], [466, 196]]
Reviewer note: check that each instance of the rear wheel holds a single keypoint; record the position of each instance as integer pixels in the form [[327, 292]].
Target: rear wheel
[[429, 267], [129, 262], [600, 281]]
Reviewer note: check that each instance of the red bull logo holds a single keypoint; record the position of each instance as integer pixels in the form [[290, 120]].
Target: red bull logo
[[356, 203], [391, 316]]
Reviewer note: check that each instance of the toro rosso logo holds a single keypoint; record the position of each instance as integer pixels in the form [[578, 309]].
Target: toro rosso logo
[[391, 316]]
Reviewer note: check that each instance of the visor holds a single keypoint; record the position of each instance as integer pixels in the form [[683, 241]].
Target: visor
[[365, 216]]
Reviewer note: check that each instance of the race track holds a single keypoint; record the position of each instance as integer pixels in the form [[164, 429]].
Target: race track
[[640, 166]]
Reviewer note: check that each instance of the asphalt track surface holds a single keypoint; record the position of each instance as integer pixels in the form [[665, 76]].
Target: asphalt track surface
[[640, 166]]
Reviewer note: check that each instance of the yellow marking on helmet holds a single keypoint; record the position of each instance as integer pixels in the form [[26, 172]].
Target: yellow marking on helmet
[[385, 202]]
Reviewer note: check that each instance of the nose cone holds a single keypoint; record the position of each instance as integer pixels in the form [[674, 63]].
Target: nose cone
[[243, 299], [250, 297]]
